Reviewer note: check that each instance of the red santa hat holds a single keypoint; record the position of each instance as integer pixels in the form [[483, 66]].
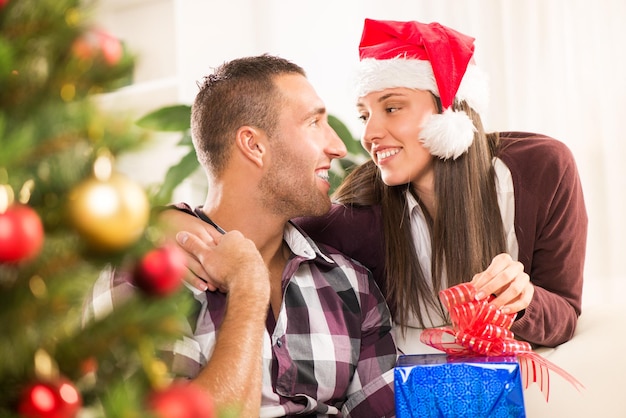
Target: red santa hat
[[426, 57]]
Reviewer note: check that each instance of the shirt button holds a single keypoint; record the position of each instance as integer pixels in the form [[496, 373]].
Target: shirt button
[[279, 343]]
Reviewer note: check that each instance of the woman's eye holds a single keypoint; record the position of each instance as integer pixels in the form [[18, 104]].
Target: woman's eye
[[391, 109], [363, 118]]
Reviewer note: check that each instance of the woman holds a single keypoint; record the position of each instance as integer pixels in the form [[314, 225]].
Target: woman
[[442, 202], [467, 203]]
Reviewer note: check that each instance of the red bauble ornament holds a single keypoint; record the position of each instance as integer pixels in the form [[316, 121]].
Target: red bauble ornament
[[89, 365], [160, 272], [58, 399], [111, 48], [182, 400], [95, 42], [21, 233]]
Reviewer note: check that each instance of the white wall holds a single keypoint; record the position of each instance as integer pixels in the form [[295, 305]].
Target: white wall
[[556, 67]]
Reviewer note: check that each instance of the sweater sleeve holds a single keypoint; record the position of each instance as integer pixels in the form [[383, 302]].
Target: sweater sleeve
[[551, 228]]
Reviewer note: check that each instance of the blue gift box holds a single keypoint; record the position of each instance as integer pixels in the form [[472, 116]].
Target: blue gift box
[[442, 386]]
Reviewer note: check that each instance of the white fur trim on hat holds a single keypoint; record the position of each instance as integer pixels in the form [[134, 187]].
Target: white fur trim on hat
[[448, 135], [375, 75]]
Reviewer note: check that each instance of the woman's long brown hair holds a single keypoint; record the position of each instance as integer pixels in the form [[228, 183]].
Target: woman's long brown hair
[[466, 230]]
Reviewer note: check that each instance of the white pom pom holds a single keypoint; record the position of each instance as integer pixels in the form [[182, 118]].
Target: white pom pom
[[448, 135]]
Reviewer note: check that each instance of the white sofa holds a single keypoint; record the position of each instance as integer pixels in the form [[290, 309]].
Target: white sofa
[[596, 356]]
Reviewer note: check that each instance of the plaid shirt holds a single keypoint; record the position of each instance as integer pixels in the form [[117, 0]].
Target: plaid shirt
[[328, 353]]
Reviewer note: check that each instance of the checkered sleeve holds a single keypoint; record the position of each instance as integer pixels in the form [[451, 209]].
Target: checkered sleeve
[[110, 291], [371, 392]]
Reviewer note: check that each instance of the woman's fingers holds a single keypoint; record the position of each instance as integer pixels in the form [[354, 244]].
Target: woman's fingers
[[506, 279], [197, 252], [516, 296], [521, 302], [495, 277], [172, 221], [197, 279]]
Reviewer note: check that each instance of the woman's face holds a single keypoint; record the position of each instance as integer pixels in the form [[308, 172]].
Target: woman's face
[[392, 120]]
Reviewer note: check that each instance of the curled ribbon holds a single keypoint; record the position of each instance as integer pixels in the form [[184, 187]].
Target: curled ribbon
[[480, 328]]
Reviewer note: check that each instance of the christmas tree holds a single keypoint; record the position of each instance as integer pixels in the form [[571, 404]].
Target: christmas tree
[[66, 216]]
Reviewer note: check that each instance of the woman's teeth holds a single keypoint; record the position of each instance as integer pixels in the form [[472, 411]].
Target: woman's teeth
[[387, 153]]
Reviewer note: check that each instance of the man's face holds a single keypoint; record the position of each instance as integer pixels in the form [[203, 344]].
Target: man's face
[[296, 183]]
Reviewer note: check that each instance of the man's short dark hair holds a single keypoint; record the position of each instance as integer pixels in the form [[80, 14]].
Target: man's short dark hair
[[238, 93]]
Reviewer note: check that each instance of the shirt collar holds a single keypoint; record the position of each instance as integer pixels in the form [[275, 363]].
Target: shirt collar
[[301, 245], [412, 202]]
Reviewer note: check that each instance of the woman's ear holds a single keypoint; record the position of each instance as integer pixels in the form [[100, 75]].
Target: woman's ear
[[250, 142]]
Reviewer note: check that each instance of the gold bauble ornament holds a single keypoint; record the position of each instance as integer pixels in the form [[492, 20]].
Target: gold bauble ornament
[[108, 210]]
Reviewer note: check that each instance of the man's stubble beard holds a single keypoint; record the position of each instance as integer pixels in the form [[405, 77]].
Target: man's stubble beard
[[286, 191]]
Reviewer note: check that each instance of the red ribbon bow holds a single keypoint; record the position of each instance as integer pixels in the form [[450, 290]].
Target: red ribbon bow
[[480, 328]]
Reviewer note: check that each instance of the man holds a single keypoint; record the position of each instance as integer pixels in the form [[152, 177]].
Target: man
[[286, 327]]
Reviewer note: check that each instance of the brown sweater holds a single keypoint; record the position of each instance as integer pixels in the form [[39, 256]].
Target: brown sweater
[[550, 224]]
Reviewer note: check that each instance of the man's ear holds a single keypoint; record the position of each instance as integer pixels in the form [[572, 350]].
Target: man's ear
[[251, 143]]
